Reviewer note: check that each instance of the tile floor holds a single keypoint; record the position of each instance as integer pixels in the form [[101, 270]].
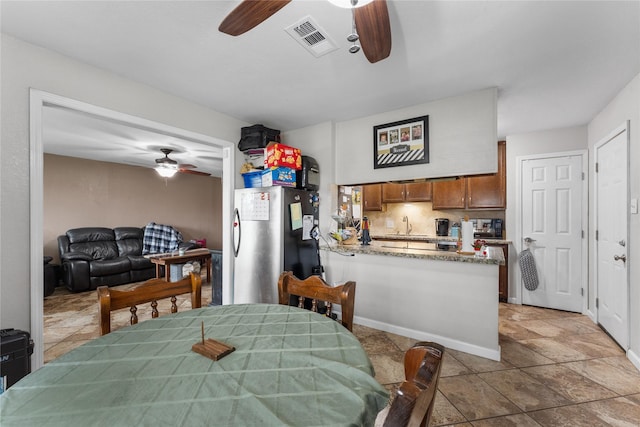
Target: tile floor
[[557, 368]]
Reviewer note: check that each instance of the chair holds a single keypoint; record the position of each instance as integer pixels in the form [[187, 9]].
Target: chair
[[413, 403], [318, 290], [149, 291]]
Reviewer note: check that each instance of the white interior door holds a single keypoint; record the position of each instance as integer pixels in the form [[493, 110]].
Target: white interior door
[[611, 240], [552, 222]]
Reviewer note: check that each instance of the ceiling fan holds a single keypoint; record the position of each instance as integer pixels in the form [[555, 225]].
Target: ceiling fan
[[371, 23], [168, 167]]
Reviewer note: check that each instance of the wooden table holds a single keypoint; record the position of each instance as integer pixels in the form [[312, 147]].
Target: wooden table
[[291, 367], [203, 255]]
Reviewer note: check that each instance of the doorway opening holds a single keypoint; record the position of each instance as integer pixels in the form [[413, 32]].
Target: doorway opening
[[40, 100]]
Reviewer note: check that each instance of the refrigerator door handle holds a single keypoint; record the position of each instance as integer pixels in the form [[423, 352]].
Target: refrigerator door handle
[[236, 247]]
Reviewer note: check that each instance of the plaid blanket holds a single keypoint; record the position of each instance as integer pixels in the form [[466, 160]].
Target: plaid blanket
[[159, 238]]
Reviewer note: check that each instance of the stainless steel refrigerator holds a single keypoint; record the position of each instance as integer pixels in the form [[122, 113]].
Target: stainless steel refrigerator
[[275, 230]]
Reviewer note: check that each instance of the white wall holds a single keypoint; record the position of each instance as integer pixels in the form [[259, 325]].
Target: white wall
[[318, 142], [462, 140], [25, 66], [625, 106], [551, 141]]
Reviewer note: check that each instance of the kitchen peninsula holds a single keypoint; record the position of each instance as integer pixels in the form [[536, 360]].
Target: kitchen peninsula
[[423, 293]]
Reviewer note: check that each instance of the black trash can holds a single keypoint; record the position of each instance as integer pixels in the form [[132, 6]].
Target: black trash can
[[16, 348]]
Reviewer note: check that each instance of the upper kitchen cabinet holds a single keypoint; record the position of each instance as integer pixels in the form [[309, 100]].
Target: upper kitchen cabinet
[[411, 192], [372, 197], [489, 191], [449, 194], [475, 192]]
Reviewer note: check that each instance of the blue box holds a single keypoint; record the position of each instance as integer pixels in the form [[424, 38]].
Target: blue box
[[252, 179], [285, 177]]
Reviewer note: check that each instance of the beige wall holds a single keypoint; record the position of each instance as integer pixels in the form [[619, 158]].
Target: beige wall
[[87, 193]]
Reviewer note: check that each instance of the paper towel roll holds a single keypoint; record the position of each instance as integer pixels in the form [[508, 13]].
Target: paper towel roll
[[467, 236]]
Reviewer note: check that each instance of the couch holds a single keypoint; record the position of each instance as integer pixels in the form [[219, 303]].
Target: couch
[[98, 256], [51, 276]]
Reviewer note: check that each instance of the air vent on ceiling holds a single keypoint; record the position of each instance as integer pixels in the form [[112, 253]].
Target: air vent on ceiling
[[311, 36]]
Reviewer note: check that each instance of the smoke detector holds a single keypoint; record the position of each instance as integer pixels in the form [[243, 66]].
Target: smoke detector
[[312, 37]]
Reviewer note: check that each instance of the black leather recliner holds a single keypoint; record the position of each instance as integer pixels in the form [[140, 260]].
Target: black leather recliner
[[97, 256]]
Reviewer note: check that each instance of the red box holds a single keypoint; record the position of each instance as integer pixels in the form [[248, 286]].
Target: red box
[[280, 155]]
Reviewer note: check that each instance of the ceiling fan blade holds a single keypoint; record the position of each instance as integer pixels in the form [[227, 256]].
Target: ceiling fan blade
[[249, 14], [191, 171], [186, 166], [374, 29]]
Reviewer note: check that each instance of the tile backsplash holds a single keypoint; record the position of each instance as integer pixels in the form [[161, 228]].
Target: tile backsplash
[[421, 218]]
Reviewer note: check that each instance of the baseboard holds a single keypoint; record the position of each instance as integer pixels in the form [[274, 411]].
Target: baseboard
[[634, 358], [488, 353], [512, 300]]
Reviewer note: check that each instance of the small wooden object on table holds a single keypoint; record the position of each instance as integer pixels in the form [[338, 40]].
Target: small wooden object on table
[[214, 350], [202, 255]]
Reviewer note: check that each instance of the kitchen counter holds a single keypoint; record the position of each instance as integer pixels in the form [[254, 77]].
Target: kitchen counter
[[427, 295], [431, 238], [495, 256]]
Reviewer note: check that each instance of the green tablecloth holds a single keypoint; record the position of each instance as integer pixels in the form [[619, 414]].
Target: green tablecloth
[[290, 367]]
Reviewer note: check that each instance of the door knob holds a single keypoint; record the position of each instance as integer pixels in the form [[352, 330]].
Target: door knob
[[622, 258], [529, 240]]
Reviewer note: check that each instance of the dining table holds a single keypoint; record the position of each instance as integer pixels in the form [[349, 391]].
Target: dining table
[[290, 367]]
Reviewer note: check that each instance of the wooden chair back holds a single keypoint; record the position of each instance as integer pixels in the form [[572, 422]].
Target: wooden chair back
[[148, 292], [413, 403], [318, 290]]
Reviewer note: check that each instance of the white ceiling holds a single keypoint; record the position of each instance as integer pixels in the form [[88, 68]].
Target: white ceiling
[[556, 64]]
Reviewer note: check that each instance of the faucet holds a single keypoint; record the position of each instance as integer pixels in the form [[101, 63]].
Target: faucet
[[408, 226]]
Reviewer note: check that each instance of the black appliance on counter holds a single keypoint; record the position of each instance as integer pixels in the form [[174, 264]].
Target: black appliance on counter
[[308, 178], [487, 228], [442, 226]]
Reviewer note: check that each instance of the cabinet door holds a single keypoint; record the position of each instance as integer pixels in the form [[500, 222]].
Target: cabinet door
[[503, 274], [489, 191], [372, 197], [417, 192], [449, 194], [392, 193]]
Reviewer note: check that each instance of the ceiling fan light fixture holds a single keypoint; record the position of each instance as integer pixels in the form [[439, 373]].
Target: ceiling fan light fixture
[[166, 171], [349, 4]]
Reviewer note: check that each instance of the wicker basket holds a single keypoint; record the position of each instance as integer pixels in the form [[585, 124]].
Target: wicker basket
[[353, 236]]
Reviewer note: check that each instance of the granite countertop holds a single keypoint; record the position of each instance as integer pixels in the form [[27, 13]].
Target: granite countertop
[[431, 238], [495, 256]]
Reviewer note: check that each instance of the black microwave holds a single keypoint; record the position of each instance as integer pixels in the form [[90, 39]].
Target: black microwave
[[308, 178]]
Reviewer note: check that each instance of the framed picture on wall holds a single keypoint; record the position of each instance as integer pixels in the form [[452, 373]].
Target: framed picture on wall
[[401, 143]]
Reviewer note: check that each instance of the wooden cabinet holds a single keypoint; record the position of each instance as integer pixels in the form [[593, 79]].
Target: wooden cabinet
[[503, 273], [474, 192], [392, 193], [489, 191], [449, 194], [418, 192], [372, 197], [411, 192]]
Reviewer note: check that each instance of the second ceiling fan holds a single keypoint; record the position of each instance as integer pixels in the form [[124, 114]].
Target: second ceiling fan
[[371, 21], [167, 166]]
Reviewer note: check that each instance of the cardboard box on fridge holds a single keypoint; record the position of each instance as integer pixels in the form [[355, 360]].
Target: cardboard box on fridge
[[285, 177], [279, 155]]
